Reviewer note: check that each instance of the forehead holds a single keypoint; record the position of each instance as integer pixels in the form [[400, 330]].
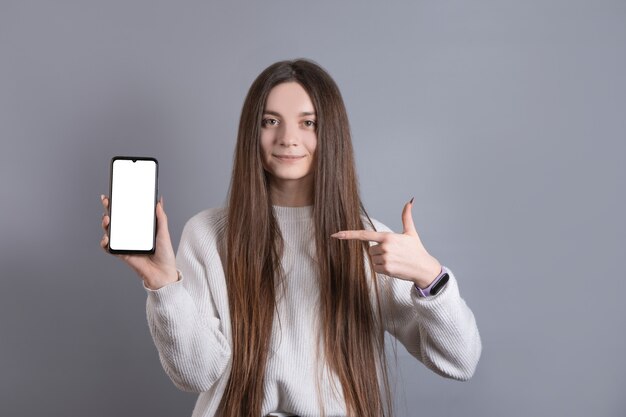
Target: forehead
[[289, 97]]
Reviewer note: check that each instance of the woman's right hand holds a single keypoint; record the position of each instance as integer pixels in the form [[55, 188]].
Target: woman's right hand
[[157, 269]]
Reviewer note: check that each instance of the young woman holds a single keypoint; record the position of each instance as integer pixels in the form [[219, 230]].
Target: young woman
[[280, 300]]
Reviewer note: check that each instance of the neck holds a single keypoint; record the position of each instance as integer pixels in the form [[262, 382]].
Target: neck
[[292, 193]]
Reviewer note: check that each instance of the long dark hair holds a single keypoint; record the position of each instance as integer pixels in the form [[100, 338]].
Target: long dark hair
[[353, 339]]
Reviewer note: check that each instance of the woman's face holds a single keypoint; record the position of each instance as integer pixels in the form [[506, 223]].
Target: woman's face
[[288, 135]]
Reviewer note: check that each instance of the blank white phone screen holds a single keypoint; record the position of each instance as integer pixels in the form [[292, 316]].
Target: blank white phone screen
[[133, 196]]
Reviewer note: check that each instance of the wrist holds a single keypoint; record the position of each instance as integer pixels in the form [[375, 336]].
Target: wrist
[[436, 271], [437, 284], [160, 282]]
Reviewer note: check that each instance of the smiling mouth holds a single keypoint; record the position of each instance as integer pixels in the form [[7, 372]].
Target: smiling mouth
[[289, 157]]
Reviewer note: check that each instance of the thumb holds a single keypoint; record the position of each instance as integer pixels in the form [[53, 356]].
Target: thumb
[[162, 228], [408, 227]]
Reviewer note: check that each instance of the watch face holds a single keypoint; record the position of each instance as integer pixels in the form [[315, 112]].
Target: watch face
[[440, 284]]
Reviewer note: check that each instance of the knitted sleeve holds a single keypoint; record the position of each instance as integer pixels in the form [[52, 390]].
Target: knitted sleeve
[[440, 330], [183, 319]]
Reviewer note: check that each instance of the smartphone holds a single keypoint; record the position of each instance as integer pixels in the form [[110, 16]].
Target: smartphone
[[132, 204]]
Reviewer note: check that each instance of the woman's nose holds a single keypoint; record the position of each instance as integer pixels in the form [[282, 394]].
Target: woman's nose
[[288, 136]]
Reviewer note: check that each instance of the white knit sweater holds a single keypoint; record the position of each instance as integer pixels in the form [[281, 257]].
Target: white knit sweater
[[190, 323]]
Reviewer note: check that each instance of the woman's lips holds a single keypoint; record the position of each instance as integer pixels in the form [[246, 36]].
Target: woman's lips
[[288, 158]]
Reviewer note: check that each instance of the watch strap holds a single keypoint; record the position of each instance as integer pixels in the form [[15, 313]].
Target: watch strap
[[436, 286]]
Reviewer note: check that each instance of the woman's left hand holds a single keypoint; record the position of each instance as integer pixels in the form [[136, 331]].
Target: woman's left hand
[[399, 255]]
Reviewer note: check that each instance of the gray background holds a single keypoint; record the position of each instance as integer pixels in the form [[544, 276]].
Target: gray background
[[505, 120]]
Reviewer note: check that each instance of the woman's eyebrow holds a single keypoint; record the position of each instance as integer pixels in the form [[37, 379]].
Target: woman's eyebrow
[[275, 113]]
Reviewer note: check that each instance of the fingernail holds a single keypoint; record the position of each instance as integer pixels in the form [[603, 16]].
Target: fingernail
[[338, 235], [412, 198], [101, 197]]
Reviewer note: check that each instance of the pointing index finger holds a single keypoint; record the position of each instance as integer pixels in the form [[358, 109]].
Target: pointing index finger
[[368, 235]]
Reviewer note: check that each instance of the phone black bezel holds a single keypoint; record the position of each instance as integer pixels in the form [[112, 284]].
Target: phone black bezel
[[156, 193]]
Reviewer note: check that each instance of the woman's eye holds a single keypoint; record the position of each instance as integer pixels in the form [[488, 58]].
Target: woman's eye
[[269, 122], [309, 123]]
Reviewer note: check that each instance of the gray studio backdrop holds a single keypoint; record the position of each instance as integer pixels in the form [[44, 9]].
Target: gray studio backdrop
[[505, 120]]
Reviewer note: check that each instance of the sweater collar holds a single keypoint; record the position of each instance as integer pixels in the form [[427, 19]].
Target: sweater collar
[[293, 213]]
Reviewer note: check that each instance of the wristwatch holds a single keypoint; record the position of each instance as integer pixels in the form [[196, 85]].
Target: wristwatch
[[436, 286]]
